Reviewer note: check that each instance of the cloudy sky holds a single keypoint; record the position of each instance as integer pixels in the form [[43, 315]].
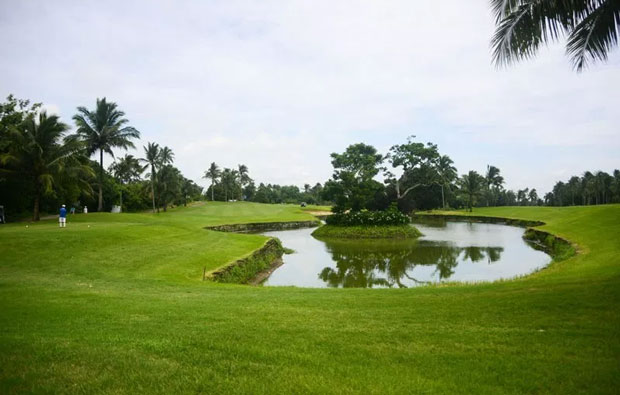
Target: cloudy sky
[[279, 85]]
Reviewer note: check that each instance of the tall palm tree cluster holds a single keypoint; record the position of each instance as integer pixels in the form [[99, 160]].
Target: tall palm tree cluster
[[591, 188], [43, 164], [230, 184]]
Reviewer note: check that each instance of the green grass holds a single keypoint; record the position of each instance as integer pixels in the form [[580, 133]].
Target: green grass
[[367, 232], [119, 307], [314, 207]]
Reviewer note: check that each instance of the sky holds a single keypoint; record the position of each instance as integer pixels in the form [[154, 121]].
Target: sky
[[279, 86]]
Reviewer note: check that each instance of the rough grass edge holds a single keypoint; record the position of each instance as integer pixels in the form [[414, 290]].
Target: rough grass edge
[[244, 270]]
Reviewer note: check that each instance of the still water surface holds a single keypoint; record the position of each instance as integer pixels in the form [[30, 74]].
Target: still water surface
[[448, 251]]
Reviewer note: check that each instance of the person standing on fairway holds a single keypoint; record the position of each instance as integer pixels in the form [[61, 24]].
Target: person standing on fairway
[[62, 218]]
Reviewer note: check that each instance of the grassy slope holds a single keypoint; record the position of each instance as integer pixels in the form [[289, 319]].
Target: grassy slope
[[118, 307]]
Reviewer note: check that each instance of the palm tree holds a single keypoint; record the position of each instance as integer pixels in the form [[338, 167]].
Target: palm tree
[[229, 182], [447, 173], [533, 196], [151, 153], [38, 152], [494, 182], [126, 169], [166, 156], [213, 174], [165, 159], [244, 178], [523, 25], [102, 130], [471, 186]]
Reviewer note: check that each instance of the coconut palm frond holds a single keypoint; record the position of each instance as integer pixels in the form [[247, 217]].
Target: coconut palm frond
[[522, 26], [595, 35]]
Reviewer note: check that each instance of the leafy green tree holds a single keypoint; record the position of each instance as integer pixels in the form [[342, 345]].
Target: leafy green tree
[[471, 185], [213, 173], [169, 183], [524, 25], [103, 130], [189, 190], [38, 152], [352, 185], [126, 169], [418, 162], [152, 156], [12, 114]]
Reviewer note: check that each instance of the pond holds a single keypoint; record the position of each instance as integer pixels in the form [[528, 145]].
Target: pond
[[448, 251]]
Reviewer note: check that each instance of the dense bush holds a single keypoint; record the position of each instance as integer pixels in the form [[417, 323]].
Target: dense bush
[[368, 218]]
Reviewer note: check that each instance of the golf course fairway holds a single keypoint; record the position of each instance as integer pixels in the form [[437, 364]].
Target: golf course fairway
[[115, 303]]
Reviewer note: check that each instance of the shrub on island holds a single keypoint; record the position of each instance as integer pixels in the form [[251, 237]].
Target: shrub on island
[[389, 224], [368, 218]]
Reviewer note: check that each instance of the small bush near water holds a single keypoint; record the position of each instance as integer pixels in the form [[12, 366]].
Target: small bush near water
[[368, 218]]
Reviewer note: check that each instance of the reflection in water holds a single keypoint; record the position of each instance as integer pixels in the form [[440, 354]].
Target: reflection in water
[[448, 251], [387, 263]]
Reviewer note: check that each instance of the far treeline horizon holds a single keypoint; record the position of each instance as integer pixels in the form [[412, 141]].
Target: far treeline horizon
[[42, 166]]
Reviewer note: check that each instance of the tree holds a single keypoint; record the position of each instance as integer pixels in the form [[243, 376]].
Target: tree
[[126, 169], [169, 185], [471, 185], [419, 164], [151, 153], [533, 196], [102, 130], [12, 114], [38, 152], [213, 173], [352, 185], [165, 158], [244, 177], [229, 180], [447, 174], [522, 26], [494, 183]]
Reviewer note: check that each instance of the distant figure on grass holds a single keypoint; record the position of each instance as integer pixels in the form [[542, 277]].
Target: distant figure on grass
[[85, 210], [62, 218], [72, 210]]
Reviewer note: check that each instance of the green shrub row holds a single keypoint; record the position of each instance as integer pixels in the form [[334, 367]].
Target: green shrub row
[[368, 218], [367, 232]]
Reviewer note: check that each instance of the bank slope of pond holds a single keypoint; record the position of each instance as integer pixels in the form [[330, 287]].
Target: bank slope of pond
[[367, 232]]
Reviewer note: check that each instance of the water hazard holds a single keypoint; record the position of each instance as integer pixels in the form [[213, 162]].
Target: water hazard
[[448, 251]]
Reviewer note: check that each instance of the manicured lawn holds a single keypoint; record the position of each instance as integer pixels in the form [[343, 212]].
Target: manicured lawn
[[119, 307]]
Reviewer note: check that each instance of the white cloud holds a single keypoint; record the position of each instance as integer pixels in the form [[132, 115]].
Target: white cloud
[[278, 86]]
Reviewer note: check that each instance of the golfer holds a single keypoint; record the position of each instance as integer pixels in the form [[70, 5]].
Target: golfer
[[62, 218]]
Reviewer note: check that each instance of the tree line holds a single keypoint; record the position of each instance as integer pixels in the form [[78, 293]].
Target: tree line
[[42, 165], [591, 188], [236, 184], [416, 176]]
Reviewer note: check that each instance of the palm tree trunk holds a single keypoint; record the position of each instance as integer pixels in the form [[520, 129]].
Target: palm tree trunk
[[121, 198], [212, 190], [100, 207], [153, 188], [37, 198], [443, 200]]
